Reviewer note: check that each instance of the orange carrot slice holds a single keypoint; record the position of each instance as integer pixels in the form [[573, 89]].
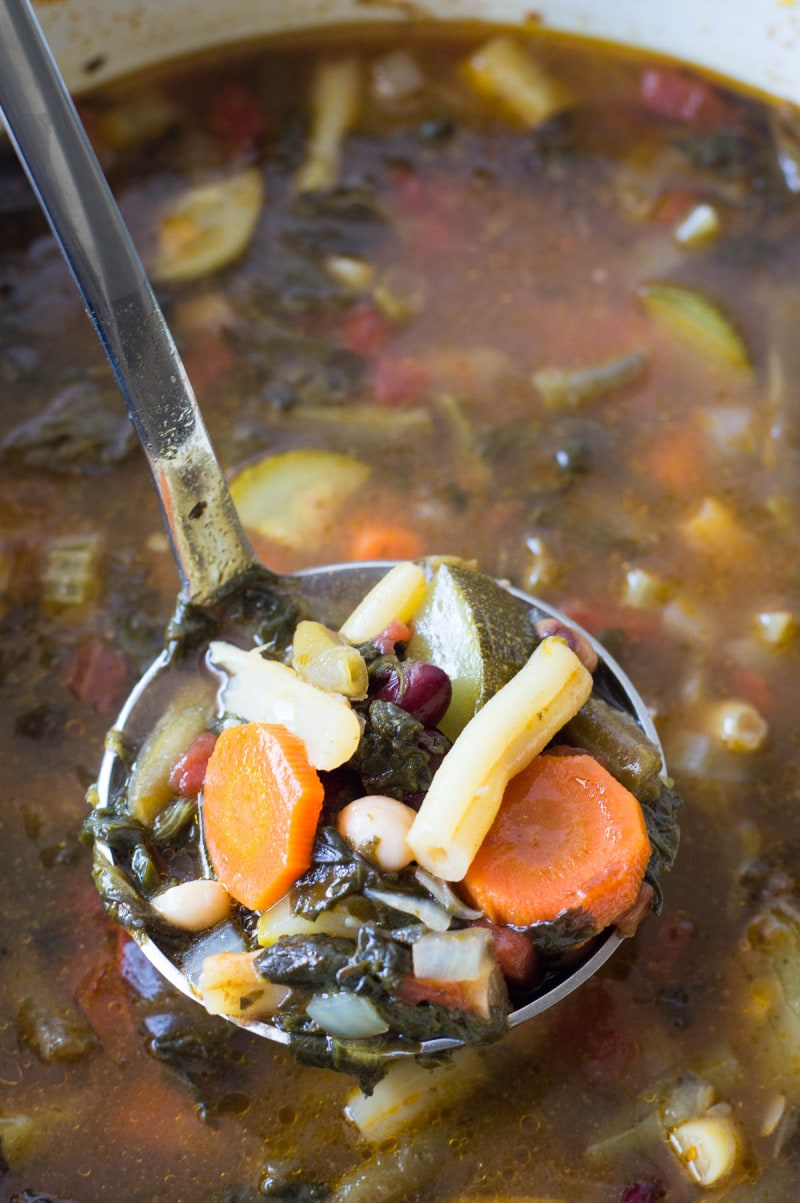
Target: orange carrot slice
[[567, 835], [385, 541], [261, 804]]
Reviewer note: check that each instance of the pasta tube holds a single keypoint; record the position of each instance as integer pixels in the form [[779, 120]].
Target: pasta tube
[[496, 744]]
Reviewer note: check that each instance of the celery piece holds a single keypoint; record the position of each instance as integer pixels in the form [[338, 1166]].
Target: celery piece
[[504, 72], [696, 319], [71, 573], [562, 388]]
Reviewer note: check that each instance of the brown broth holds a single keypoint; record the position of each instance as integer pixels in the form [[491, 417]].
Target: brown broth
[[527, 248]]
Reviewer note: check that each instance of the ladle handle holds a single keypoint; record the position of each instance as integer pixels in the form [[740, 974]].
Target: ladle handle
[[210, 547]]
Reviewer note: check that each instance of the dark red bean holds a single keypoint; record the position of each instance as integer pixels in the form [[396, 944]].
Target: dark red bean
[[577, 642], [423, 690], [646, 1190]]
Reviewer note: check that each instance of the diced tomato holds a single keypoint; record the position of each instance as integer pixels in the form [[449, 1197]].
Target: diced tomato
[[681, 96], [396, 632], [189, 771], [208, 358], [96, 673], [237, 116], [400, 381], [416, 990], [515, 952], [365, 331]]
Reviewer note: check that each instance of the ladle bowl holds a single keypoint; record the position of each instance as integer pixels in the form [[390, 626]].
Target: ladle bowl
[[213, 556]]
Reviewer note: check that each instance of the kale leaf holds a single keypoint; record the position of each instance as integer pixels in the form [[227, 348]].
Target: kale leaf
[[664, 833], [305, 960], [82, 430], [394, 754]]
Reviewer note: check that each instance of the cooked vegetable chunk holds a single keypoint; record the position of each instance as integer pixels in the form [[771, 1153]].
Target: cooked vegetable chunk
[[261, 805], [567, 837], [474, 630], [207, 227], [260, 690], [513, 727]]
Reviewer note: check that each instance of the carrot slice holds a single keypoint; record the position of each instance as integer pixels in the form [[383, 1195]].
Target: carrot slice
[[567, 836], [261, 804], [384, 541]]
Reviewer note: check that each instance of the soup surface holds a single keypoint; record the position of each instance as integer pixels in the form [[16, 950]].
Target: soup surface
[[534, 304]]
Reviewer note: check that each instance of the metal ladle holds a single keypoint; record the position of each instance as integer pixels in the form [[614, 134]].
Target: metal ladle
[[211, 551]]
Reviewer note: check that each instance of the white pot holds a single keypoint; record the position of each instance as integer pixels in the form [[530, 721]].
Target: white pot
[[754, 41]]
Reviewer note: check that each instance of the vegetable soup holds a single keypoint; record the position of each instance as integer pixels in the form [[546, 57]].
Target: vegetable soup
[[528, 304]]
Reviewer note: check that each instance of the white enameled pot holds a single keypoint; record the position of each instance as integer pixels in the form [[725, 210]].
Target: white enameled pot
[[754, 41]]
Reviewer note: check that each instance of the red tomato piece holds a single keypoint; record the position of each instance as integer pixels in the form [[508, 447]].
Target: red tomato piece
[[237, 116], [189, 772], [515, 952], [400, 381], [681, 96], [396, 632], [365, 331], [96, 673], [416, 990]]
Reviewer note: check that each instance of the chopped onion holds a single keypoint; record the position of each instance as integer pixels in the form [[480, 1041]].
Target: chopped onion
[[396, 76], [425, 909], [459, 956], [444, 893], [350, 1016]]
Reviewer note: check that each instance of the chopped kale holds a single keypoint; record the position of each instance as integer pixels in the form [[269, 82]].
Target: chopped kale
[[339, 221], [336, 872], [664, 833], [128, 839], [562, 934], [377, 965], [270, 608], [189, 628], [305, 960], [84, 429], [293, 369], [722, 150], [395, 752]]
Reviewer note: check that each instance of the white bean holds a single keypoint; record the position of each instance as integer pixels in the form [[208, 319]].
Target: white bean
[[378, 826], [737, 725], [194, 905], [708, 1146]]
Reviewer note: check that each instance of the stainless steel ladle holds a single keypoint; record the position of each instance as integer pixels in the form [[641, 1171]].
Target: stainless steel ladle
[[211, 551]]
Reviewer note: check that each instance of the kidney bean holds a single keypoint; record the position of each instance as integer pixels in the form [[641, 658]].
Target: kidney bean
[[577, 642], [423, 690], [646, 1190]]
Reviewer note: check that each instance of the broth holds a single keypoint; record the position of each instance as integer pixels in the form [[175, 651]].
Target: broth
[[405, 320]]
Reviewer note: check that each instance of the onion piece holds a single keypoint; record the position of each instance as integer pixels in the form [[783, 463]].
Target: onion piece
[[350, 1016], [444, 894], [459, 956], [425, 909], [396, 76]]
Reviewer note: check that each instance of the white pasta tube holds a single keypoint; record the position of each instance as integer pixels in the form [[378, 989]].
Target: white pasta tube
[[396, 596], [496, 744]]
